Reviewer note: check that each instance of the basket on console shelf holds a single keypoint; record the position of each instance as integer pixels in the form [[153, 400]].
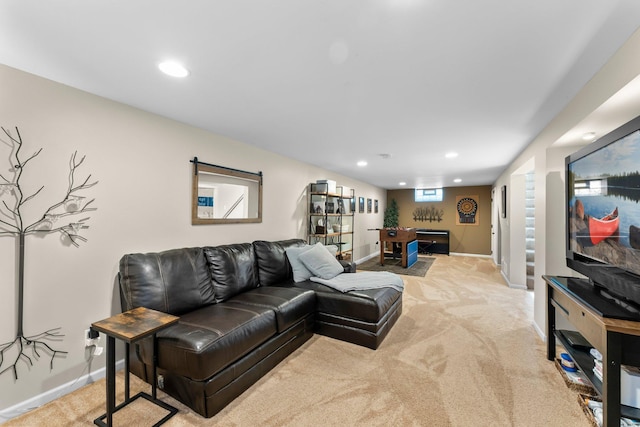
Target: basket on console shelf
[[583, 388]]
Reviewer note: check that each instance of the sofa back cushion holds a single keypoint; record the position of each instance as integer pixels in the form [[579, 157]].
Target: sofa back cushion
[[273, 265], [174, 281], [232, 268]]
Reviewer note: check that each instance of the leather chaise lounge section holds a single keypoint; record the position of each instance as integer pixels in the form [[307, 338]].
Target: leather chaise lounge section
[[240, 313]]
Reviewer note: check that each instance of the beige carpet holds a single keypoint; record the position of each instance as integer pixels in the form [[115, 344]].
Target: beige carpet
[[463, 353]]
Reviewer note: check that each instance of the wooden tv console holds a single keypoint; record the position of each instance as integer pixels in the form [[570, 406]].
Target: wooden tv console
[[599, 321]]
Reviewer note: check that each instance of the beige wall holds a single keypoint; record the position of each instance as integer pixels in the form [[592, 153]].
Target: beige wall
[[468, 239], [143, 196]]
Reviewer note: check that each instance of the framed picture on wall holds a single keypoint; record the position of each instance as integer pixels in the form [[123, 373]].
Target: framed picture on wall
[[375, 206], [368, 205], [361, 204], [467, 207], [352, 204], [504, 201]]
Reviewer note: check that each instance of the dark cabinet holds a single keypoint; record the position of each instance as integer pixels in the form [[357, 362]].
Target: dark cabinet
[[432, 241]]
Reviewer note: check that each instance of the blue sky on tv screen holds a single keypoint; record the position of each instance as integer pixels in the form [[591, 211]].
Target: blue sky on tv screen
[[614, 159]]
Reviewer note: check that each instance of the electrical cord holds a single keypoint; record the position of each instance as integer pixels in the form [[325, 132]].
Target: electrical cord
[[464, 230]]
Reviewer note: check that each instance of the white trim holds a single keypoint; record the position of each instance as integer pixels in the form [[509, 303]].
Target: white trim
[[368, 257], [53, 394], [474, 255], [511, 285], [540, 332], [375, 254]]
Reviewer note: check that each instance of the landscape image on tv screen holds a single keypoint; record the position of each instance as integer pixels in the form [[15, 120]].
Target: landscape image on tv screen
[[604, 204]]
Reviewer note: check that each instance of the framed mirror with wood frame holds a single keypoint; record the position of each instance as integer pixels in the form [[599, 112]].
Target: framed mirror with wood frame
[[222, 195]]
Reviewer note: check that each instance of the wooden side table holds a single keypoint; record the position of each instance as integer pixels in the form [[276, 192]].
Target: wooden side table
[[129, 327]]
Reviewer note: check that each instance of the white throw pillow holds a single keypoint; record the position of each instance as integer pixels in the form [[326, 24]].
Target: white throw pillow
[[300, 272], [333, 250], [320, 262]]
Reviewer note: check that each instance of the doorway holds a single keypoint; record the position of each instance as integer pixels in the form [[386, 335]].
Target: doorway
[[495, 228]]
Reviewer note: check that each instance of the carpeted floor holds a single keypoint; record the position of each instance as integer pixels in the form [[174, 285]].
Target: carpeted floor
[[463, 353], [419, 268]]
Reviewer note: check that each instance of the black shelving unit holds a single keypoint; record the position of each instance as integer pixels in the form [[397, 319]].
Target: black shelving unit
[[333, 208]]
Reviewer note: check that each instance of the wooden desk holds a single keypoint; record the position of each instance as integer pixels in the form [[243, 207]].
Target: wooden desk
[[617, 340], [131, 326], [404, 237]]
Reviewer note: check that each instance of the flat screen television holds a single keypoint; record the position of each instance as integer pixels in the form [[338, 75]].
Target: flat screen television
[[603, 213]]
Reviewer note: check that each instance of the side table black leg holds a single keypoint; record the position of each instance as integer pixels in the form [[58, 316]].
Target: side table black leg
[[155, 364], [126, 373], [107, 419], [111, 378]]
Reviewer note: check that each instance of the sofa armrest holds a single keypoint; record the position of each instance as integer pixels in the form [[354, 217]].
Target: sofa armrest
[[349, 266]]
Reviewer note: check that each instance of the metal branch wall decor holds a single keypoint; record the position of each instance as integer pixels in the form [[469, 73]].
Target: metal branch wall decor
[[428, 214], [12, 223]]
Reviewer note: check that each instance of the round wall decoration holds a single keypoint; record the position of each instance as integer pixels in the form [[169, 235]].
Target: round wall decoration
[[467, 209]]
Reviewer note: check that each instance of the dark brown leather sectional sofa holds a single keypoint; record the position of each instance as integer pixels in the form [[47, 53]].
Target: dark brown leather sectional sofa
[[240, 313]]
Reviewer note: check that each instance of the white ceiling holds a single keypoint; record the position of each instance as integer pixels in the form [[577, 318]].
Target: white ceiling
[[614, 112], [331, 82]]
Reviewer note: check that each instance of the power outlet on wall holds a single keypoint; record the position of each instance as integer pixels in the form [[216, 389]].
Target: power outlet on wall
[[90, 338]]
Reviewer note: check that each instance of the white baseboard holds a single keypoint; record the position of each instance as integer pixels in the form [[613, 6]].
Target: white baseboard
[[474, 255], [53, 394], [376, 254], [367, 258], [511, 285], [540, 332]]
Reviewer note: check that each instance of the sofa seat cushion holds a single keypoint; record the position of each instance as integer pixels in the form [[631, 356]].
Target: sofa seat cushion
[[368, 305], [289, 304], [206, 340]]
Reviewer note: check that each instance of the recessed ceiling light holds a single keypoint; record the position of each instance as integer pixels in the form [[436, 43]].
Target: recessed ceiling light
[[589, 136], [451, 155], [173, 69], [402, 183], [362, 163], [457, 180]]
